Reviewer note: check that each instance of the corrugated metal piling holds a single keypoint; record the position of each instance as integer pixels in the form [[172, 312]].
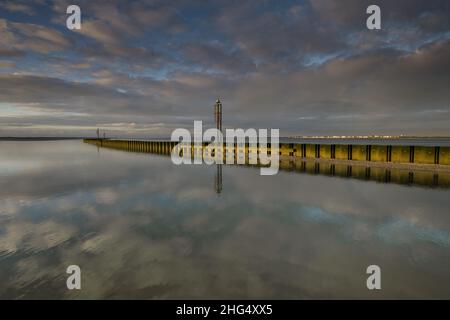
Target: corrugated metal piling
[[422, 155]]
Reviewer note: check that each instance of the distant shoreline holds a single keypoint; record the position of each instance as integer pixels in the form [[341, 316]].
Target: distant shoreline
[[38, 138], [368, 137]]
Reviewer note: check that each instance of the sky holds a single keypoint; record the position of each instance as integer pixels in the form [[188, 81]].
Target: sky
[[143, 68]]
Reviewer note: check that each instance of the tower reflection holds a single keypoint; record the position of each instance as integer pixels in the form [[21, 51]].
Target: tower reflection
[[218, 178]]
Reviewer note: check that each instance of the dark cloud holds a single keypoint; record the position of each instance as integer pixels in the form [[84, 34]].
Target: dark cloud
[[31, 37], [216, 56], [4, 52], [347, 13], [284, 36], [17, 7]]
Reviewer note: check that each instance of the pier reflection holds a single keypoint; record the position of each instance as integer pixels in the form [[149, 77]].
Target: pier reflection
[[377, 173], [370, 171]]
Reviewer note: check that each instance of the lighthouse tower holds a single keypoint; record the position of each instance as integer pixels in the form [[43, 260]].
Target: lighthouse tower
[[218, 118], [218, 114]]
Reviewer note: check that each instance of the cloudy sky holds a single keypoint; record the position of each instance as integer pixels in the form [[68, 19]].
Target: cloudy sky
[[143, 68]]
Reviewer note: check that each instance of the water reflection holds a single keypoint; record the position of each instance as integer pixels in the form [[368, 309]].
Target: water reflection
[[373, 172], [140, 227], [218, 180]]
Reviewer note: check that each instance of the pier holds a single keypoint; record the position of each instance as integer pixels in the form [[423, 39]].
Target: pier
[[411, 165], [435, 156]]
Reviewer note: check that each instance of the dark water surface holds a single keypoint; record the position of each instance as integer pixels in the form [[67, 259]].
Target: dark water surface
[[141, 227]]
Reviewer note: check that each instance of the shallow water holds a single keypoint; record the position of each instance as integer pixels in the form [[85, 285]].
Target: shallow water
[[140, 227]]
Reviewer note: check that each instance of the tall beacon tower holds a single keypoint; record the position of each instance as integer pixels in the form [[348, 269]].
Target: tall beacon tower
[[218, 118], [218, 114]]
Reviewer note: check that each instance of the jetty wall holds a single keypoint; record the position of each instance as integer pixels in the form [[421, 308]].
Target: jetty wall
[[433, 155], [326, 160]]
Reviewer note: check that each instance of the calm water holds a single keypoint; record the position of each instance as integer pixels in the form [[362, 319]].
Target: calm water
[[140, 227]]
